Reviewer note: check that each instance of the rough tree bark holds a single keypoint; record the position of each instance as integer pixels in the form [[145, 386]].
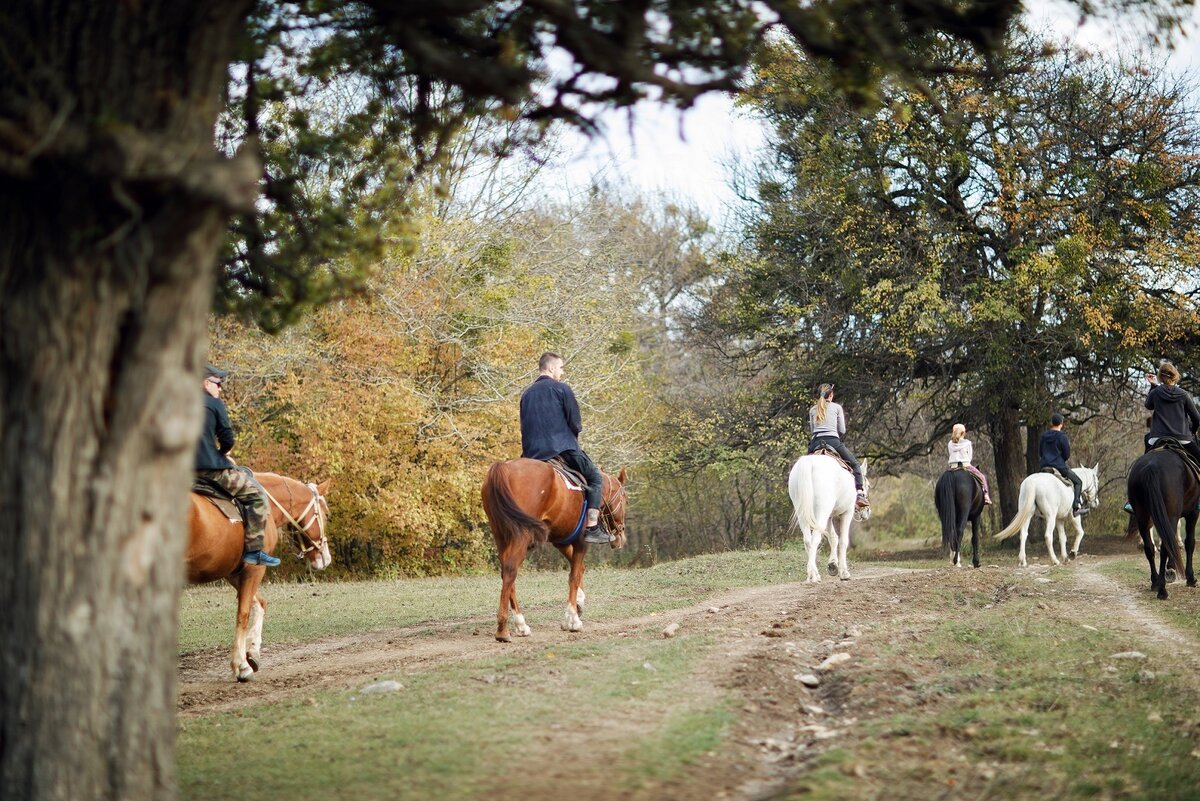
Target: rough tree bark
[[111, 213], [1010, 459]]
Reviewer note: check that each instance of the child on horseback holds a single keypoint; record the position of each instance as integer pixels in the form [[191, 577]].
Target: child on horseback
[[961, 452], [1055, 449], [1174, 414], [827, 426]]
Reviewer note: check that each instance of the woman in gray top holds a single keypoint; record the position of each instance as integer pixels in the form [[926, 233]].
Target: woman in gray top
[[827, 426]]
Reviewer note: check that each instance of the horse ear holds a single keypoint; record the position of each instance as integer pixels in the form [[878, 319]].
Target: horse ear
[[323, 487], [621, 477], [1096, 469], [863, 466]]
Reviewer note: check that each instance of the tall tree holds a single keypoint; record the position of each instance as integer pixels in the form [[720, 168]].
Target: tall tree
[[115, 195], [989, 250]]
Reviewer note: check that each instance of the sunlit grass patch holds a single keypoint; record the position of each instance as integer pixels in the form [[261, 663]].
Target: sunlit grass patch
[[444, 734]]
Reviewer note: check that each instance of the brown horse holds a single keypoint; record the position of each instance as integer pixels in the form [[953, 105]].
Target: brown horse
[[215, 552], [526, 501]]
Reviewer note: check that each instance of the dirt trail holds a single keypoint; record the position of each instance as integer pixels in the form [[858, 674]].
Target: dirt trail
[[345, 661], [768, 638]]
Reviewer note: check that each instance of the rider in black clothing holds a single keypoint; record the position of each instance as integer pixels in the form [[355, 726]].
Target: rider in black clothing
[[1054, 449]]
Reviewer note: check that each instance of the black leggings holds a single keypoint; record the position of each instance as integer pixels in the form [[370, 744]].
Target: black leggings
[[834, 443]]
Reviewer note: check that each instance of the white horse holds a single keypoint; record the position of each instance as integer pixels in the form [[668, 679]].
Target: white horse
[[1046, 495], [823, 497]]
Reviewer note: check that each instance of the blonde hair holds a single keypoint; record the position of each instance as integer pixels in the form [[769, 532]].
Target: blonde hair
[[958, 432], [1167, 373], [822, 401]]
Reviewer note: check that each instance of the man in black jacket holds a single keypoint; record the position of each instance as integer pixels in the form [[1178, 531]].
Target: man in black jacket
[[213, 464], [550, 426], [1055, 449]]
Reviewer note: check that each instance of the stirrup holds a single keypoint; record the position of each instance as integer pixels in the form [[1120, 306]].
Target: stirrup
[[861, 500]]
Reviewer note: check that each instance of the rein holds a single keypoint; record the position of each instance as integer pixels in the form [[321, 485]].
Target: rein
[[306, 543]]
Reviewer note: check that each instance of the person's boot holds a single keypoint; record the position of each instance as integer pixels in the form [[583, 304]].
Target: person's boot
[[260, 558], [861, 500]]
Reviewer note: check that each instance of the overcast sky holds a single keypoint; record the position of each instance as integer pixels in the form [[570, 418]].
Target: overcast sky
[[687, 155]]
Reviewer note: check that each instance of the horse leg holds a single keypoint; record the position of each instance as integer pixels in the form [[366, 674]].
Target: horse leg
[[1162, 569], [247, 587], [1189, 545], [511, 557], [580, 597], [1024, 536], [519, 623], [258, 613], [1062, 538], [572, 621], [812, 543], [831, 537], [1050, 524], [843, 545], [975, 542]]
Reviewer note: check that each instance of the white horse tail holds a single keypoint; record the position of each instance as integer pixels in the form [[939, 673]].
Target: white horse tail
[[800, 487], [1025, 508]]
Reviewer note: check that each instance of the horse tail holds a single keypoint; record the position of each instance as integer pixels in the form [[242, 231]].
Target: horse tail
[[800, 487], [507, 518], [1153, 481], [1026, 504], [944, 498]]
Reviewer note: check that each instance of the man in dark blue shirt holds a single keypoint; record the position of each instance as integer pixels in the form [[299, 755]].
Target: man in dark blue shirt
[[1054, 449], [550, 426], [214, 464]]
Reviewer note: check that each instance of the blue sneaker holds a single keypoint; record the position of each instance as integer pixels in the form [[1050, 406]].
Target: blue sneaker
[[260, 558]]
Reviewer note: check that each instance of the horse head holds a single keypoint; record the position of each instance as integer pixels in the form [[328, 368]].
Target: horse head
[[613, 508], [302, 509], [1089, 493]]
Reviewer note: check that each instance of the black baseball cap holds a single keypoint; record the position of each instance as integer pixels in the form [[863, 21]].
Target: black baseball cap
[[213, 372]]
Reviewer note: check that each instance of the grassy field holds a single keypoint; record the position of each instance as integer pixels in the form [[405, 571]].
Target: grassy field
[[994, 684]]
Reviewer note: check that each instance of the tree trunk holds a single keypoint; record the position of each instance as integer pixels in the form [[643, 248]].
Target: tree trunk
[[1010, 461], [1033, 460], [106, 276]]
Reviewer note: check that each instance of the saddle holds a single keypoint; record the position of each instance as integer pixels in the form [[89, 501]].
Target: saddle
[[1054, 472], [971, 473], [1171, 444], [571, 477], [219, 497], [837, 456]]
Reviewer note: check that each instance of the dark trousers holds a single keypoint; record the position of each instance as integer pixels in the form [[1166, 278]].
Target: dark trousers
[[1075, 480], [580, 461], [836, 444]]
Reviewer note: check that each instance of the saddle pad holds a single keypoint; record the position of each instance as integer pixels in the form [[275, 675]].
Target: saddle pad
[[837, 457], [1054, 472], [227, 507], [570, 478]]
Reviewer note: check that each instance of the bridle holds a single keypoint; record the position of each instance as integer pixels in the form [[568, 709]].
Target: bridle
[[315, 508], [608, 509]]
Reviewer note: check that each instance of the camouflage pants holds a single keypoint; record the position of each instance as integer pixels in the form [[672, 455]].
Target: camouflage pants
[[241, 486]]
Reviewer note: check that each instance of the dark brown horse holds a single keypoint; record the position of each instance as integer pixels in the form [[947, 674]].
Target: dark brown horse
[[527, 501], [215, 552], [959, 500], [1162, 489]]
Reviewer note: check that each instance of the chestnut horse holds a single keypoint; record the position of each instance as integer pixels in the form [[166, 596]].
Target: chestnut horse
[[215, 552], [527, 500]]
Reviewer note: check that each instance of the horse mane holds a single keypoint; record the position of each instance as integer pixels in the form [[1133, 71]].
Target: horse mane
[[508, 519]]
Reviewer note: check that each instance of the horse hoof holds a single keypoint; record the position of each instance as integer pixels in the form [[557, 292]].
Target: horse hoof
[[833, 570], [245, 674], [524, 631], [845, 577], [1072, 555], [1170, 575], [503, 638], [253, 662]]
